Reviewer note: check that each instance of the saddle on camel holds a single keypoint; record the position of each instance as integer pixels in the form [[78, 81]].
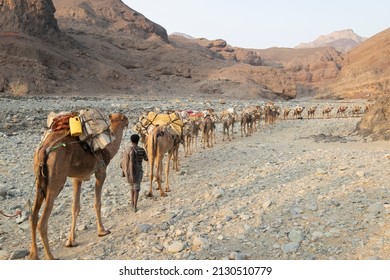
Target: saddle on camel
[[61, 154]]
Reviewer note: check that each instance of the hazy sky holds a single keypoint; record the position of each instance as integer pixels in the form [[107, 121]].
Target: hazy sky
[[263, 24]]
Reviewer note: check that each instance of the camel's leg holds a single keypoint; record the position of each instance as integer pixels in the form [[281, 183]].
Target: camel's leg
[[209, 138], [33, 224], [146, 174], [151, 175], [43, 222], [176, 157], [159, 170], [170, 154], [75, 212], [185, 146], [100, 177], [146, 170], [190, 145]]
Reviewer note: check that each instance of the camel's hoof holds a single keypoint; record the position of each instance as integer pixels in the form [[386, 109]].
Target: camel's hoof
[[167, 190], [104, 233], [32, 257], [71, 244], [164, 195], [149, 195]]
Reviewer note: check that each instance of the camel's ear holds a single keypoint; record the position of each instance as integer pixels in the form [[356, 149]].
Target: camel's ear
[[110, 116]]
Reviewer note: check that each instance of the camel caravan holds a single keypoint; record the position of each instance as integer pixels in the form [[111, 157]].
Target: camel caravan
[[81, 144]]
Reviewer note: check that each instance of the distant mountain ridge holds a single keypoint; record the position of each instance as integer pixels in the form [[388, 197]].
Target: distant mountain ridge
[[182, 35], [343, 41]]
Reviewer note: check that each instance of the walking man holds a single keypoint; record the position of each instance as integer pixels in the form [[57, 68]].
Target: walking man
[[131, 165]]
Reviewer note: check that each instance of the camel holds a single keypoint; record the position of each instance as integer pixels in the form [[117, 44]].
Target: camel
[[255, 112], [311, 111], [366, 108], [326, 111], [341, 111], [160, 140], [148, 121], [286, 112], [227, 122], [356, 110], [196, 119], [246, 123], [214, 119], [297, 113], [208, 127], [143, 126], [58, 157], [191, 137], [271, 113]]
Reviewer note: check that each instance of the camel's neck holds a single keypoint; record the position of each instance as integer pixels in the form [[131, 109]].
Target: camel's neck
[[113, 147]]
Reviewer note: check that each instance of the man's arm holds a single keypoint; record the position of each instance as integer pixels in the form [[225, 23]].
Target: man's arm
[[145, 156]]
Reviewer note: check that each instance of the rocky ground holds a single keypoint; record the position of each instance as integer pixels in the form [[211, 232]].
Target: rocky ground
[[300, 189]]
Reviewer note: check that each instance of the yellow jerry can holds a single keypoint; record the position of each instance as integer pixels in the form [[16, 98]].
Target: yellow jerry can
[[75, 126]]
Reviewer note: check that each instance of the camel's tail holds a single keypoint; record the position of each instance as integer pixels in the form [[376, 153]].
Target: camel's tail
[[154, 143], [41, 171], [206, 126], [50, 143]]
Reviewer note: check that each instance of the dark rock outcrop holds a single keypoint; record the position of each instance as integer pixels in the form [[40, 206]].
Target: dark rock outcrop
[[105, 17], [32, 17]]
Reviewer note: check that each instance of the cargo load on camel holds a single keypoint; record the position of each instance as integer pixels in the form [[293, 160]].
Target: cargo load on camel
[[89, 126], [157, 119]]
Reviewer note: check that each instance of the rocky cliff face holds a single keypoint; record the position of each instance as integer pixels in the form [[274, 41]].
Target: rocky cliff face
[[311, 68], [366, 69], [105, 17], [376, 120], [228, 52], [32, 17]]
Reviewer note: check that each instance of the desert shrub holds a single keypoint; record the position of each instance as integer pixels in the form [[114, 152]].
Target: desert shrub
[[18, 88]]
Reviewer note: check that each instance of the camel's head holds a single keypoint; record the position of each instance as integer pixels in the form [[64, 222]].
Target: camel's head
[[118, 118]]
